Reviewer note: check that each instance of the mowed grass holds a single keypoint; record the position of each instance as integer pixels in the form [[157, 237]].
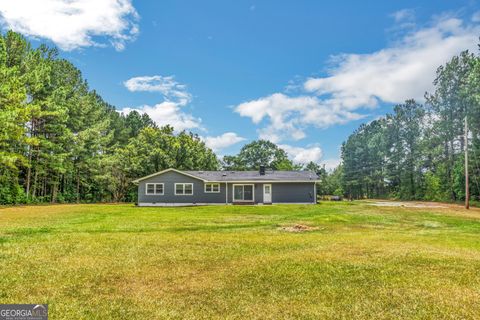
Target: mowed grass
[[235, 262]]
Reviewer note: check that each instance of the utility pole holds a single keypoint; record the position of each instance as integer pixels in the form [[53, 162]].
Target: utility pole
[[467, 191]]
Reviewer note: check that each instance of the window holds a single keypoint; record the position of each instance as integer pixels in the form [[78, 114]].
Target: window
[[243, 192], [212, 187], [183, 189], [154, 189]]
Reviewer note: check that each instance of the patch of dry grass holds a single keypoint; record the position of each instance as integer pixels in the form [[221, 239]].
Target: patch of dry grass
[[356, 262]]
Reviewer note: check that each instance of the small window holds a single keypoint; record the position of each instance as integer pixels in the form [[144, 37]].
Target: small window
[[179, 188], [154, 189], [183, 189], [150, 188], [212, 187]]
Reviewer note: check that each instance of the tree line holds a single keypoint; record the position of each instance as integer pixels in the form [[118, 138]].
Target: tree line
[[60, 142], [417, 151]]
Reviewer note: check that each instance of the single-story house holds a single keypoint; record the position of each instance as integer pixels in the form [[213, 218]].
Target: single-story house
[[173, 187]]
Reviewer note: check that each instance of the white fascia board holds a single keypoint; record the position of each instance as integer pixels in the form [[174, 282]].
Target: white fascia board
[[167, 170]]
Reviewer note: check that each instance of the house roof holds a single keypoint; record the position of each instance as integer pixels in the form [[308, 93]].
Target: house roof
[[244, 176], [254, 175]]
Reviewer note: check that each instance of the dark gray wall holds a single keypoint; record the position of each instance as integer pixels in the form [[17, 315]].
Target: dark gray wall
[[281, 192], [169, 179], [293, 192]]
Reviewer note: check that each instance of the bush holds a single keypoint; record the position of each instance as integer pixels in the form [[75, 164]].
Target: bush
[[433, 190]]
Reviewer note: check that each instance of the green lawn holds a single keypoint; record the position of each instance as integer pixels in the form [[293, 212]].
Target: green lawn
[[236, 262]]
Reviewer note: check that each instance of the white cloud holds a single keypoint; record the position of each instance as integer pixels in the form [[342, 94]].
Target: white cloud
[[404, 70], [72, 24], [170, 113], [288, 116], [167, 86], [331, 164], [303, 155], [223, 141], [404, 15]]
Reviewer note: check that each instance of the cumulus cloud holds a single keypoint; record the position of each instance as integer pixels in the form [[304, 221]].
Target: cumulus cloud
[[391, 75], [303, 155], [331, 164], [357, 82], [403, 15], [223, 141], [289, 116], [167, 86], [72, 24], [169, 111]]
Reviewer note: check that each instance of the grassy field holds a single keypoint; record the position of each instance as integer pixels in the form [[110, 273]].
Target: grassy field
[[358, 262]]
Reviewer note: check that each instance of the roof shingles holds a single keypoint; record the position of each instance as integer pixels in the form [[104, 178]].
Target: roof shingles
[[254, 175]]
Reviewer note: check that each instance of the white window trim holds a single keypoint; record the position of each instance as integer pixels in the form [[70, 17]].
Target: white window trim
[[183, 194], [243, 184], [154, 189], [210, 183]]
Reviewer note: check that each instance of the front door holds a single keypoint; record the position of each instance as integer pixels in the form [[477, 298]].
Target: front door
[[267, 193]]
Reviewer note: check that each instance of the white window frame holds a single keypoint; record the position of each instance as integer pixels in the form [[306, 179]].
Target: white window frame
[[183, 194], [211, 187], [154, 189], [243, 185]]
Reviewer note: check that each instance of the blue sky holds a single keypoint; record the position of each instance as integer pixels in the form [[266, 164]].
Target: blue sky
[[303, 74]]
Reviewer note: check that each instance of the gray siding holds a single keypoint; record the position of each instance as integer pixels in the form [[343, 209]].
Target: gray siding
[[291, 192], [169, 179]]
